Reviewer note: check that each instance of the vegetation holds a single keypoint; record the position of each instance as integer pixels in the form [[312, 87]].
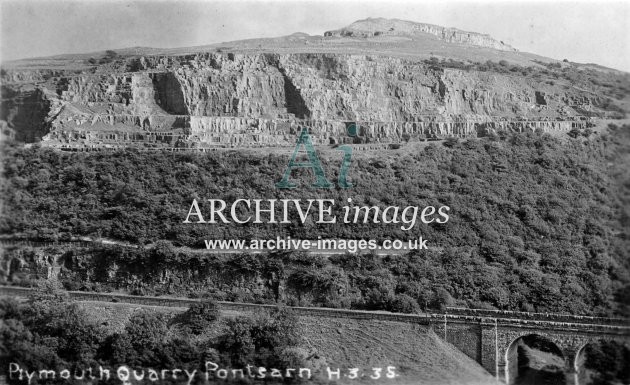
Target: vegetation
[[269, 341], [548, 232], [610, 362], [201, 314], [108, 57], [49, 331]]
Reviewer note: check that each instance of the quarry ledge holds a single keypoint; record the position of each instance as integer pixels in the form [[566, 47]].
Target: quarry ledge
[[245, 133]]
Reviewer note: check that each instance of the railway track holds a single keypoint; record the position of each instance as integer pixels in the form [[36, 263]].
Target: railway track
[[528, 320], [224, 305]]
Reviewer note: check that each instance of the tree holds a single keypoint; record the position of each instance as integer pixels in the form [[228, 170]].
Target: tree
[[199, 315], [49, 325], [443, 298], [402, 303], [146, 329], [237, 344], [574, 133], [140, 343]]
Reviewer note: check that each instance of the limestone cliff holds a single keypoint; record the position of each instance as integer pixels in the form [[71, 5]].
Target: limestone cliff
[[228, 99]]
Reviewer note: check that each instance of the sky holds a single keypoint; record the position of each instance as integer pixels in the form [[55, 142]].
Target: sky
[[580, 31]]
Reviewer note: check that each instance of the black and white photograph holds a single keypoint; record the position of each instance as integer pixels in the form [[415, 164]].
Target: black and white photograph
[[374, 192]]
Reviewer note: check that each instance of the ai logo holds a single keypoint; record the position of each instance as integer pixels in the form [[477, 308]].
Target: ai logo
[[313, 162]]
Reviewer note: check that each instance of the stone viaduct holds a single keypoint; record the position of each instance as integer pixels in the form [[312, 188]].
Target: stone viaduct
[[489, 337]]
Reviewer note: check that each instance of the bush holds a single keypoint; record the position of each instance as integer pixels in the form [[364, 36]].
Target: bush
[[48, 329], [264, 338], [201, 314], [574, 133], [402, 303], [109, 57], [451, 142], [443, 299], [146, 329]]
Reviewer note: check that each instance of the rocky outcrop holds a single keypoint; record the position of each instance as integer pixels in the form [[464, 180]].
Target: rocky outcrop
[[228, 100], [82, 267], [394, 27]]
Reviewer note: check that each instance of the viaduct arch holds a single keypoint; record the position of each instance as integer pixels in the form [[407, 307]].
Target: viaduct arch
[[487, 336], [512, 353]]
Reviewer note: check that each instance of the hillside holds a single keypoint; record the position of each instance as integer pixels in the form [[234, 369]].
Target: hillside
[[402, 81], [537, 223], [420, 356]]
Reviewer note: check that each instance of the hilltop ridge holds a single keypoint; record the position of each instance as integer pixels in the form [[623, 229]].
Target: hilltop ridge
[[378, 36], [372, 27]]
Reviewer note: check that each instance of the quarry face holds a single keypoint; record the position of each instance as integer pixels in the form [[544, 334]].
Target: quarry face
[[241, 97]]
